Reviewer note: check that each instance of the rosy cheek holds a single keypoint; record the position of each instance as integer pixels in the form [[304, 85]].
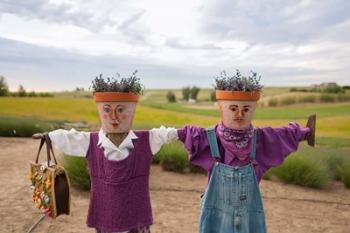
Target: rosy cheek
[[230, 115], [104, 116], [124, 117]]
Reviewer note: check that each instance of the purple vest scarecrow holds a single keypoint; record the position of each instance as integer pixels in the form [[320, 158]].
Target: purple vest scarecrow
[[119, 197]]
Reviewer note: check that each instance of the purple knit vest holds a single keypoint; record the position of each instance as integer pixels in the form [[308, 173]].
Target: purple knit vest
[[119, 195]]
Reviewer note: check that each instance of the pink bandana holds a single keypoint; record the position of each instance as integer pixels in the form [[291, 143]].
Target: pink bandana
[[237, 143]]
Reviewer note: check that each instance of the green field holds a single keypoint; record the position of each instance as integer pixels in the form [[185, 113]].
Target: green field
[[333, 119]]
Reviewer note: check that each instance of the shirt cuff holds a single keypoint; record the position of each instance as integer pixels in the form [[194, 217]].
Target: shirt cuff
[[305, 131], [161, 136]]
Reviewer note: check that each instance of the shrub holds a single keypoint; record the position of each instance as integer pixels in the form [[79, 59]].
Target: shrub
[[345, 174], [307, 99], [45, 94], [294, 89], [40, 94], [78, 172], [171, 97], [272, 102], [302, 171], [336, 89], [308, 90], [343, 98], [268, 175], [186, 93], [327, 98], [194, 92], [334, 164], [288, 100], [32, 94], [197, 169], [173, 157], [25, 127], [333, 142], [156, 160]]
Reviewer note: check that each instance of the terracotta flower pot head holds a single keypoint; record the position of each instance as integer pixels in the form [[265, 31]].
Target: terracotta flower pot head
[[237, 98], [116, 108]]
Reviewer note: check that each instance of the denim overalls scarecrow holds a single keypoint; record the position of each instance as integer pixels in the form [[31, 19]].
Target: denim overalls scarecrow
[[232, 201]]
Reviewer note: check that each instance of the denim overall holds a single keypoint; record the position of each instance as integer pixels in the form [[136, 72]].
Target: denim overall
[[232, 201]]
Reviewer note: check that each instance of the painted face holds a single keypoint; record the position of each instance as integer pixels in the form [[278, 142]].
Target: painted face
[[237, 114], [116, 117]]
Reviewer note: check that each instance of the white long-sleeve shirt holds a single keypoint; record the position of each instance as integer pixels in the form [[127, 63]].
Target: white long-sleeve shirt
[[76, 143]]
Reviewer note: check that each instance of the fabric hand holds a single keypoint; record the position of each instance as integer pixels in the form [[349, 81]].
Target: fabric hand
[[39, 135], [311, 124]]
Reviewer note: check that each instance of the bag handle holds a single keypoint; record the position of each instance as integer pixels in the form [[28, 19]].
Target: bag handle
[[40, 147], [49, 150]]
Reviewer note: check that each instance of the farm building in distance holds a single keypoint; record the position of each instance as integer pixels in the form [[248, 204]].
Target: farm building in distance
[[325, 85]]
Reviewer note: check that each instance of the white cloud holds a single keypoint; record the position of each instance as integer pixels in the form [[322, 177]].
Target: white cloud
[[300, 39], [63, 12]]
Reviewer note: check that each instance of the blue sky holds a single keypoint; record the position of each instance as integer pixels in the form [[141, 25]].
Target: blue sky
[[63, 44]]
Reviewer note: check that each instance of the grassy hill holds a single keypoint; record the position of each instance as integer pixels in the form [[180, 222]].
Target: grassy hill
[[333, 119]]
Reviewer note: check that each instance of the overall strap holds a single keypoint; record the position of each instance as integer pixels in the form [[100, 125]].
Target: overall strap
[[253, 152], [213, 143]]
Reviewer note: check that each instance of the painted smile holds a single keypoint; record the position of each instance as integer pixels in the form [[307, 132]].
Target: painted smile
[[115, 125]]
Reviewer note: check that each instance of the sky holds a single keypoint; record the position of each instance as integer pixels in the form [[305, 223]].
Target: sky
[[63, 44]]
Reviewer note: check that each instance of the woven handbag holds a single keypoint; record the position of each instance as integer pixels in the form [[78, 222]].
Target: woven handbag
[[50, 183]]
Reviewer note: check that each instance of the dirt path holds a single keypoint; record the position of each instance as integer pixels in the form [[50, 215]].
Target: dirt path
[[175, 198]]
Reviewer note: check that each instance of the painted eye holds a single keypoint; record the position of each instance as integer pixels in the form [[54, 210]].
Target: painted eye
[[120, 110], [106, 109], [233, 109], [246, 110]]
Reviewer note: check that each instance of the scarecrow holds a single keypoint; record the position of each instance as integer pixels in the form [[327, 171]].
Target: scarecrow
[[236, 156], [119, 158]]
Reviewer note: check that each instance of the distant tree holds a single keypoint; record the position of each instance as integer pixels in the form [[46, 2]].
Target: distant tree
[[171, 97], [21, 91], [186, 93], [45, 94], [4, 89], [32, 94], [194, 92]]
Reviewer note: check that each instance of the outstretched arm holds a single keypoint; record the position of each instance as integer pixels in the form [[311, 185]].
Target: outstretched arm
[[275, 144], [70, 142], [196, 143], [160, 136]]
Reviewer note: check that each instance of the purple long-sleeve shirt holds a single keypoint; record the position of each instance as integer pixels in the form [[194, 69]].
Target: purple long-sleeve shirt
[[272, 147]]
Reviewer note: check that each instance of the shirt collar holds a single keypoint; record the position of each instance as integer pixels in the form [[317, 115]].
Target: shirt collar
[[105, 142]]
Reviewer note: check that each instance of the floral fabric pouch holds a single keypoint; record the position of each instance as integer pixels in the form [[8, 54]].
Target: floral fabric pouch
[[50, 183]]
